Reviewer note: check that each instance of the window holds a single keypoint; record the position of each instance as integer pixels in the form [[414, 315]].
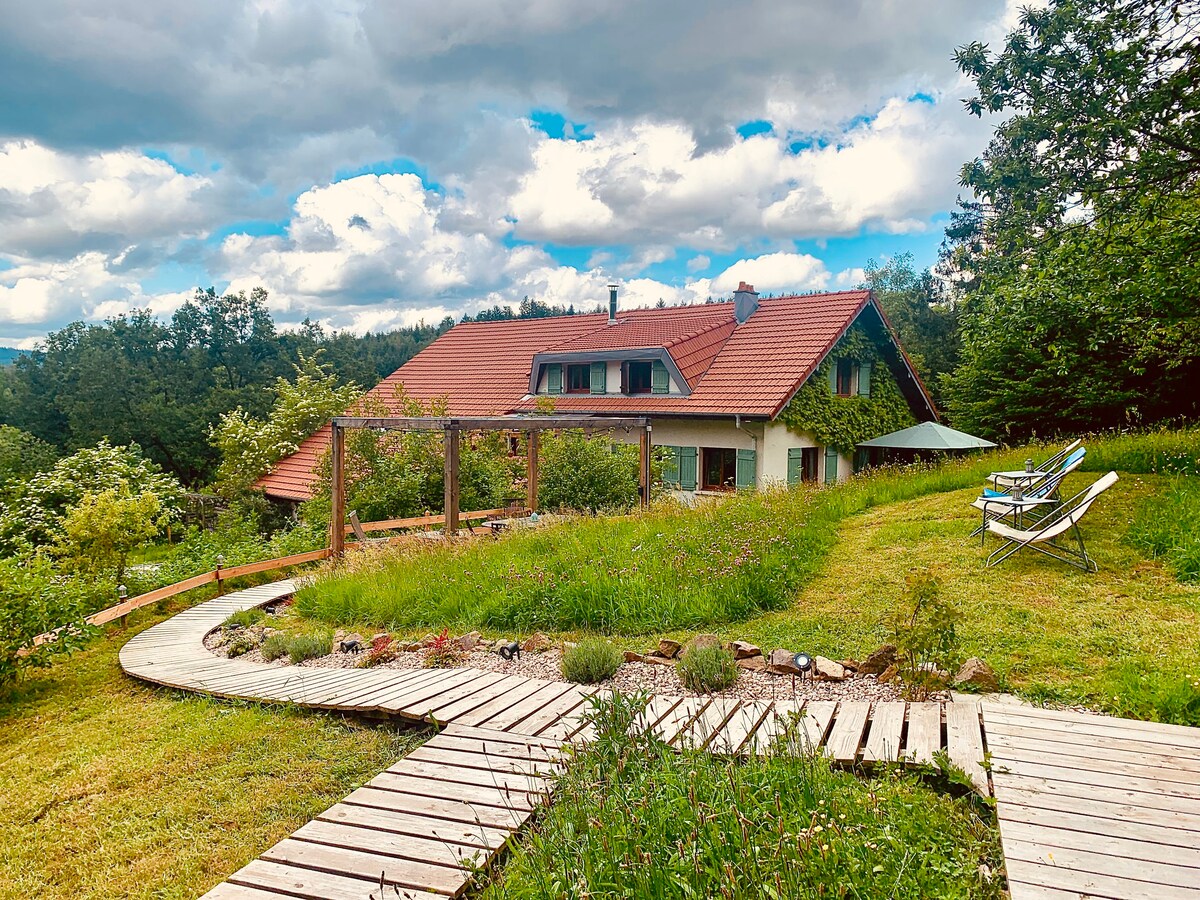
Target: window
[[845, 374], [579, 379], [720, 469], [638, 377], [802, 464]]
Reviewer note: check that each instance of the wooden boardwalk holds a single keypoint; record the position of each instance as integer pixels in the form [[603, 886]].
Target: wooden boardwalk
[[1095, 807], [1088, 806]]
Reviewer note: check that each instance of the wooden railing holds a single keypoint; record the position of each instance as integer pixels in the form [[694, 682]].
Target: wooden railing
[[216, 576], [418, 521]]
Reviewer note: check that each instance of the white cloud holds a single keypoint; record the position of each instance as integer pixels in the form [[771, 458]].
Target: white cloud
[[698, 263], [775, 273]]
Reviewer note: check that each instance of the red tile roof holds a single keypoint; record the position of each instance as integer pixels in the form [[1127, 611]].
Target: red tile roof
[[483, 368]]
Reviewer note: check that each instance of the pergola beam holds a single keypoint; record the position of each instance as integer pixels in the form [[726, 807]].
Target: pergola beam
[[493, 423]]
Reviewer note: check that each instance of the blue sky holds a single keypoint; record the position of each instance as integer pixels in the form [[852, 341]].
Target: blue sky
[[373, 165]]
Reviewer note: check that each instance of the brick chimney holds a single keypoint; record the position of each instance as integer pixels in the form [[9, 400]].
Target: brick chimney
[[745, 302]]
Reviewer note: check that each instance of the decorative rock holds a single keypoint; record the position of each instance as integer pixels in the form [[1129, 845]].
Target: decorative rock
[[702, 640], [850, 665], [782, 662], [879, 660], [659, 660], [413, 647], [668, 648], [743, 650], [977, 674], [536, 643], [752, 663], [889, 674], [630, 656], [828, 670], [470, 640]]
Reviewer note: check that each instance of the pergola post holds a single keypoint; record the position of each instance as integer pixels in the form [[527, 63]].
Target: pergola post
[[644, 467], [451, 478], [531, 481], [337, 512]]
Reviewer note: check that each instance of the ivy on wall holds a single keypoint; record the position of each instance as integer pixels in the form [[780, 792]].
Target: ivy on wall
[[844, 422]]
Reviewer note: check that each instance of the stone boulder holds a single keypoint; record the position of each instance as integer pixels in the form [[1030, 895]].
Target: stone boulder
[[743, 650], [878, 661], [470, 641], [828, 670], [976, 675], [753, 663], [659, 660], [891, 673], [536, 643], [782, 662], [631, 656], [669, 649]]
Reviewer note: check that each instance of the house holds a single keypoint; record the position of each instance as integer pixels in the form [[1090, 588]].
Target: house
[[740, 394]]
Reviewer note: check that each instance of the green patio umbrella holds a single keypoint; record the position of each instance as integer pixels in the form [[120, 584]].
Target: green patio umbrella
[[928, 436]]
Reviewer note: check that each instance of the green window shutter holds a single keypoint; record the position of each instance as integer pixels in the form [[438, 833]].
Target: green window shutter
[[795, 472], [831, 465], [833, 375], [599, 383], [864, 380], [670, 469], [660, 380], [746, 474], [688, 458], [554, 378]]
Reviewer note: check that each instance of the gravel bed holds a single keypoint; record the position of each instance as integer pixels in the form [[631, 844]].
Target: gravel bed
[[630, 677]]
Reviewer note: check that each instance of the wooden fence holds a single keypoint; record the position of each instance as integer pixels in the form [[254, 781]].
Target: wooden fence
[[216, 576]]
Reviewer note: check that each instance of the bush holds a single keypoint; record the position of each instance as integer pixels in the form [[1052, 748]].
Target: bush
[[240, 645], [276, 646], [244, 618], [707, 669], [309, 646], [34, 600], [444, 652], [587, 474], [925, 635], [590, 661]]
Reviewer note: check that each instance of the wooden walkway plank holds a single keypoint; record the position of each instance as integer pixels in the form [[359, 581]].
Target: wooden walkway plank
[[468, 759], [740, 726], [452, 709], [1027, 880], [517, 694], [964, 742], [505, 719], [1055, 742], [554, 711], [847, 734], [1029, 802], [883, 736], [421, 849], [1082, 833], [455, 809], [672, 726], [388, 820], [924, 733], [1093, 726]]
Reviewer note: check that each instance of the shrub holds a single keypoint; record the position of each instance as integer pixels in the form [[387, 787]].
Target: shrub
[[587, 473], [590, 661], [244, 618], [276, 646], [309, 646], [925, 635], [707, 669], [443, 653], [383, 650], [34, 600], [240, 645]]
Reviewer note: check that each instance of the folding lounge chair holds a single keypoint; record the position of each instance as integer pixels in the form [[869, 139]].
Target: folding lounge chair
[[997, 505], [1042, 537], [1004, 481]]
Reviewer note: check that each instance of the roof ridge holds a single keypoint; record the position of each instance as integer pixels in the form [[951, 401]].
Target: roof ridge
[[694, 334]]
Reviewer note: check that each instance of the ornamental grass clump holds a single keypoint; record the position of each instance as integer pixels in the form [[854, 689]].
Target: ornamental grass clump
[[309, 646], [275, 646], [707, 669], [590, 661]]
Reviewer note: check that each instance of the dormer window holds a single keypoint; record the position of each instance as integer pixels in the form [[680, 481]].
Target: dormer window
[[639, 377], [579, 379]]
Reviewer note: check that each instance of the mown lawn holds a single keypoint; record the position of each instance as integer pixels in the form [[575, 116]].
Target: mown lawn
[[112, 788]]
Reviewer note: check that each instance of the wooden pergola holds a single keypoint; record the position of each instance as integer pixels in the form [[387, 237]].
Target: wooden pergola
[[452, 428]]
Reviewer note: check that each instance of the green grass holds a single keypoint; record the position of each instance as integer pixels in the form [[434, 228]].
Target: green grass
[[633, 818], [670, 567], [244, 618], [112, 789], [1167, 526]]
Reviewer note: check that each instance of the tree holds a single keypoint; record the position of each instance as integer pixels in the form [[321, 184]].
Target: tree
[[250, 446], [925, 319], [100, 530], [36, 517], [21, 457], [1074, 261], [578, 472], [33, 601]]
